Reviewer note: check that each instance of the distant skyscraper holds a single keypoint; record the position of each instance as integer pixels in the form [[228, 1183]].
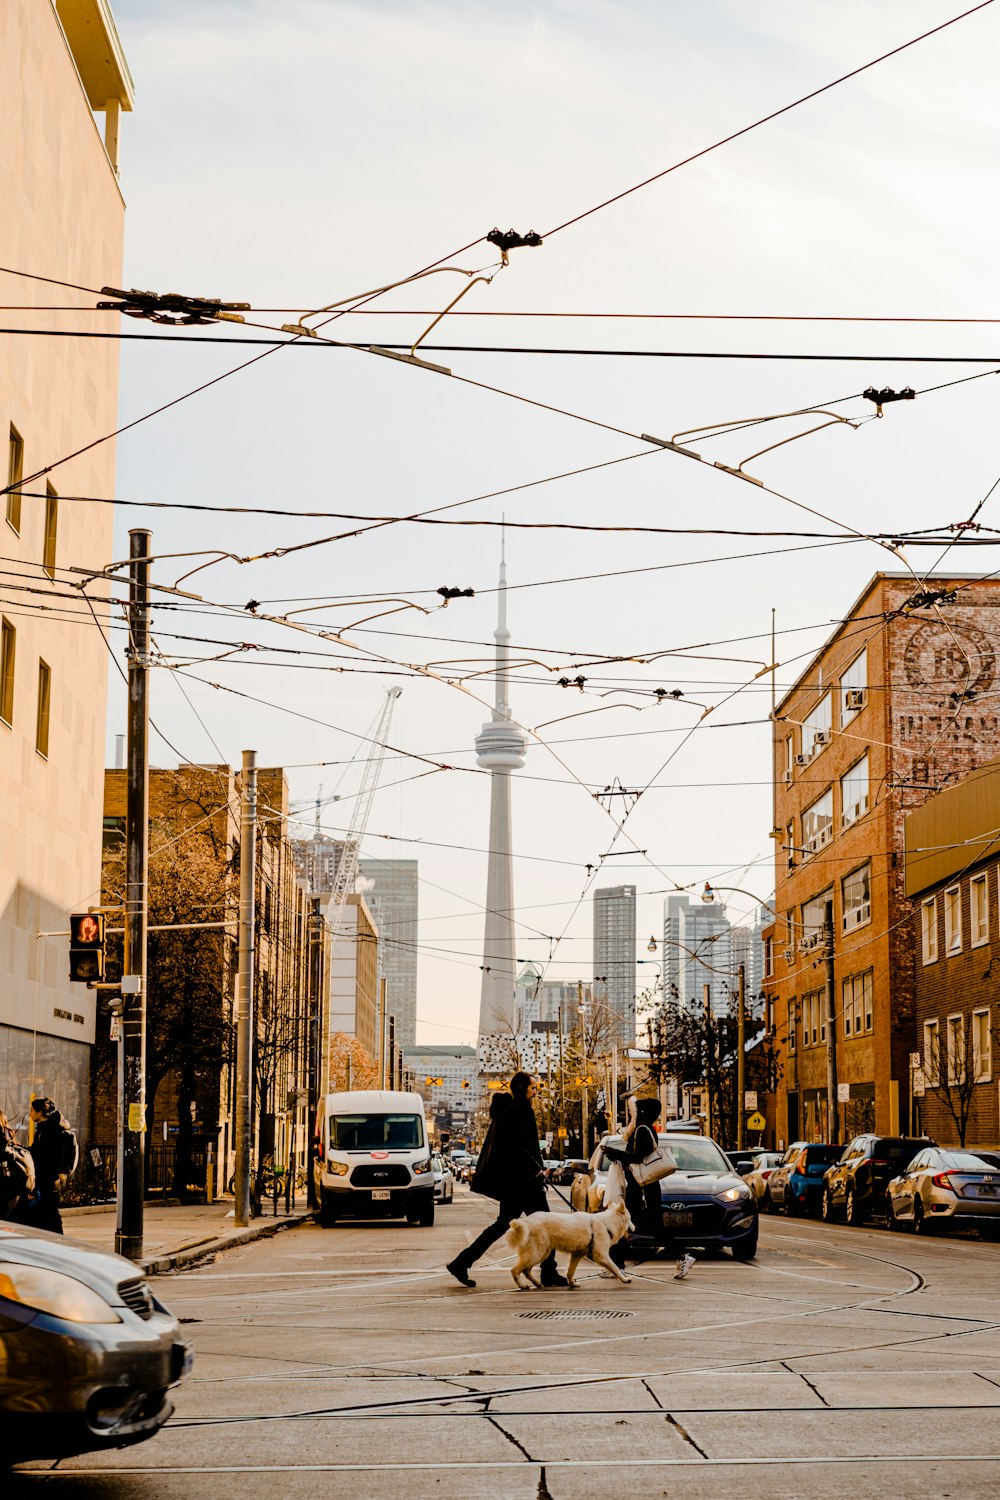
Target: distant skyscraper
[[614, 958], [697, 950], [317, 861], [392, 895], [500, 749]]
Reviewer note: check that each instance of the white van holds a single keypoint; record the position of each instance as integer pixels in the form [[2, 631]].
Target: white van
[[373, 1158]]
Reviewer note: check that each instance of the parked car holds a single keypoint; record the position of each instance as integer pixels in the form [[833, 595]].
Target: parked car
[[758, 1177], [705, 1202], [87, 1353], [796, 1186], [857, 1184], [444, 1179], [743, 1160], [563, 1172], [941, 1187]]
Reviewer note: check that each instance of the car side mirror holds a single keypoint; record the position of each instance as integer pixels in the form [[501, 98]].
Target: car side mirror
[[744, 1168]]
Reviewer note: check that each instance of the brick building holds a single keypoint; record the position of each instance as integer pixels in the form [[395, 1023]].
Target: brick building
[[952, 875], [889, 711]]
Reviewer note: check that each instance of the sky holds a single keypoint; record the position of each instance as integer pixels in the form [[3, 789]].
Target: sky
[[294, 155]]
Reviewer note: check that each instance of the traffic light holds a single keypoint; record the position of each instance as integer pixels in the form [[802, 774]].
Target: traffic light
[[465, 1083], [86, 947]]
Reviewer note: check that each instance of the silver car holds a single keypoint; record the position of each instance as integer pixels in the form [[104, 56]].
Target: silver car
[[444, 1179], [87, 1353], [942, 1186]]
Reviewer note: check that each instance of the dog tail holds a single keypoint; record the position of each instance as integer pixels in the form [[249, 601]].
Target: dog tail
[[517, 1233]]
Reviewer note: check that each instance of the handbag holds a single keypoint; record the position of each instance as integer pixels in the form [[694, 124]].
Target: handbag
[[659, 1163]]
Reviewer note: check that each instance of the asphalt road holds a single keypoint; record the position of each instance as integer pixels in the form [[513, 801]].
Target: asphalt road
[[842, 1363]]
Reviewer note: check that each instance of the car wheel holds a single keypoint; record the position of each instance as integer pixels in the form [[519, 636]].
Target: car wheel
[[746, 1249], [853, 1212], [920, 1224], [894, 1223], [327, 1212], [989, 1231], [791, 1207], [826, 1207]]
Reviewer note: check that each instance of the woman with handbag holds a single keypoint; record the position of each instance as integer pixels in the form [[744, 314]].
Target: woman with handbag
[[645, 1163]]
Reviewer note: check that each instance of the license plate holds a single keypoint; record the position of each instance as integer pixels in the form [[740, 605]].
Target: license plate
[[381, 1195], [679, 1221], [986, 1190]]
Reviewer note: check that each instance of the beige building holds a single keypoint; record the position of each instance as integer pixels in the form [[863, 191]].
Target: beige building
[[353, 997], [61, 216]]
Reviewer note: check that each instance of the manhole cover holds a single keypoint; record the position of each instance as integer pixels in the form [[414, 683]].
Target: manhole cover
[[565, 1313]]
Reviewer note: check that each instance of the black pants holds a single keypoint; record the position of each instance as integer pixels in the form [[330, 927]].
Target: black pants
[[531, 1200]]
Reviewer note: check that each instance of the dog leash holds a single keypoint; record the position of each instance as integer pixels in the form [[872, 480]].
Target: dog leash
[[558, 1194]]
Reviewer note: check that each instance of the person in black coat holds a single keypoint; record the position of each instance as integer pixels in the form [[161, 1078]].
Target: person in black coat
[[644, 1204], [47, 1153], [510, 1170]]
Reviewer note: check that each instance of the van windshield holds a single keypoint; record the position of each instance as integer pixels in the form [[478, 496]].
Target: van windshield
[[376, 1132]]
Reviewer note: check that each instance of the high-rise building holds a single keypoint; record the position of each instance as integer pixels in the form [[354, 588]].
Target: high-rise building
[[390, 888], [540, 1001], [318, 860], [697, 950], [614, 960], [500, 749], [62, 214]]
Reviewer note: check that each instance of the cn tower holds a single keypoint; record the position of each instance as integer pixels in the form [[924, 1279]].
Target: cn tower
[[500, 749]]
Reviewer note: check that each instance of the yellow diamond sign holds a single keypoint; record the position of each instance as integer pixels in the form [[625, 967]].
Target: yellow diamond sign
[[756, 1121]]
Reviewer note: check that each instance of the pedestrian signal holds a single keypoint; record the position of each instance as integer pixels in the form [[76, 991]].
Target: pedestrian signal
[[86, 947]]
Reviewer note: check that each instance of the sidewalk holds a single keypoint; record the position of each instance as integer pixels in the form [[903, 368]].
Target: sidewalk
[[174, 1236]]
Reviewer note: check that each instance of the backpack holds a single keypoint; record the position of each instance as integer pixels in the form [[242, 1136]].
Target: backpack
[[69, 1152], [17, 1169]]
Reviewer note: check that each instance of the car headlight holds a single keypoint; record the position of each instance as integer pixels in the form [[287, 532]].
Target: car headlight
[[422, 1166], [339, 1168], [51, 1292], [731, 1195]]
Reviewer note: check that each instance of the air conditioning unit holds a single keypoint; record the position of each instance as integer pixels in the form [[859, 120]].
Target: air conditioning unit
[[821, 737], [789, 955], [787, 777], [854, 699], [807, 944], [802, 760]]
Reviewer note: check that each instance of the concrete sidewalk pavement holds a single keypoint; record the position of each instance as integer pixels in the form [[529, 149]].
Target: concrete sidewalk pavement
[[177, 1235]]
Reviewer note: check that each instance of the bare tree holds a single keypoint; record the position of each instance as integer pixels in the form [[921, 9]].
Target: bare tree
[[951, 1073]]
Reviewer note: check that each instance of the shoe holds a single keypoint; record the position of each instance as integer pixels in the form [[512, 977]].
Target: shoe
[[553, 1278], [460, 1273], [683, 1267]]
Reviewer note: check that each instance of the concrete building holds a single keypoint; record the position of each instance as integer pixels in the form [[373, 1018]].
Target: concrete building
[[318, 860], [952, 878], [541, 1001], [893, 708], [500, 748], [614, 959], [393, 897], [446, 1077], [61, 215], [352, 1002], [697, 950]]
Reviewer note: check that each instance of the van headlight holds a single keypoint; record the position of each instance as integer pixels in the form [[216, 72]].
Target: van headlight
[[733, 1194], [422, 1166], [51, 1292], [339, 1168]]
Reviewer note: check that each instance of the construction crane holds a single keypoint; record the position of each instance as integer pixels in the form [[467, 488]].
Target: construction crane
[[346, 876]]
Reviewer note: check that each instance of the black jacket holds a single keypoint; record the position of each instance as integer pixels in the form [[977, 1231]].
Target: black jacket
[[47, 1151], [511, 1158]]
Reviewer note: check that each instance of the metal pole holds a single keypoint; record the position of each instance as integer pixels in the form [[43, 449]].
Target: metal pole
[[132, 1031], [832, 1107], [562, 1086], [584, 1099], [709, 1057], [244, 984], [614, 1085], [741, 1061], [382, 985]]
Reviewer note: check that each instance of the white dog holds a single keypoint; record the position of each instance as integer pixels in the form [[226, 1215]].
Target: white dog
[[588, 1236]]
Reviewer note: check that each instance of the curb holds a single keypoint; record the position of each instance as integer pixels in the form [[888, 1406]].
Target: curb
[[157, 1265]]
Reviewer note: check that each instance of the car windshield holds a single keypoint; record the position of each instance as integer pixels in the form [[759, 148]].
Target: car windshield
[[967, 1161], [897, 1151], [376, 1132], [696, 1154], [816, 1155], [767, 1159]]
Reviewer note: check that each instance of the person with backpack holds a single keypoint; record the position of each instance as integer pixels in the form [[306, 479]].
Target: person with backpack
[[17, 1171], [54, 1151]]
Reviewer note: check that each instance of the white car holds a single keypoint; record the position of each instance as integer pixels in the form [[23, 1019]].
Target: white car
[[444, 1179]]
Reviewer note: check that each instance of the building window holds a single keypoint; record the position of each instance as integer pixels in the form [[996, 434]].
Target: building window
[[792, 1021], [956, 1049], [856, 899], [858, 1003], [854, 687], [817, 726], [982, 1046], [854, 792], [51, 526], [814, 922], [932, 1051], [817, 823], [953, 919], [928, 929], [813, 1019], [769, 958], [42, 719], [15, 473], [8, 646], [979, 911]]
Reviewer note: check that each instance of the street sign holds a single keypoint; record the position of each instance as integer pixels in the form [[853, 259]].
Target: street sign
[[843, 1093], [756, 1121], [563, 1132], [915, 1059], [750, 1099]]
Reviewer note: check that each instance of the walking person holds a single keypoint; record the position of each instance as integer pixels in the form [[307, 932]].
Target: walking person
[[54, 1152], [644, 1204], [17, 1171], [509, 1170]]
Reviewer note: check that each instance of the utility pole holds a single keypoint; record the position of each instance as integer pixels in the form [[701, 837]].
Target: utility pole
[[584, 1099], [132, 1031], [832, 1106], [244, 984], [562, 1085], [741, 1060], [382, 986], [709, 1057]]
